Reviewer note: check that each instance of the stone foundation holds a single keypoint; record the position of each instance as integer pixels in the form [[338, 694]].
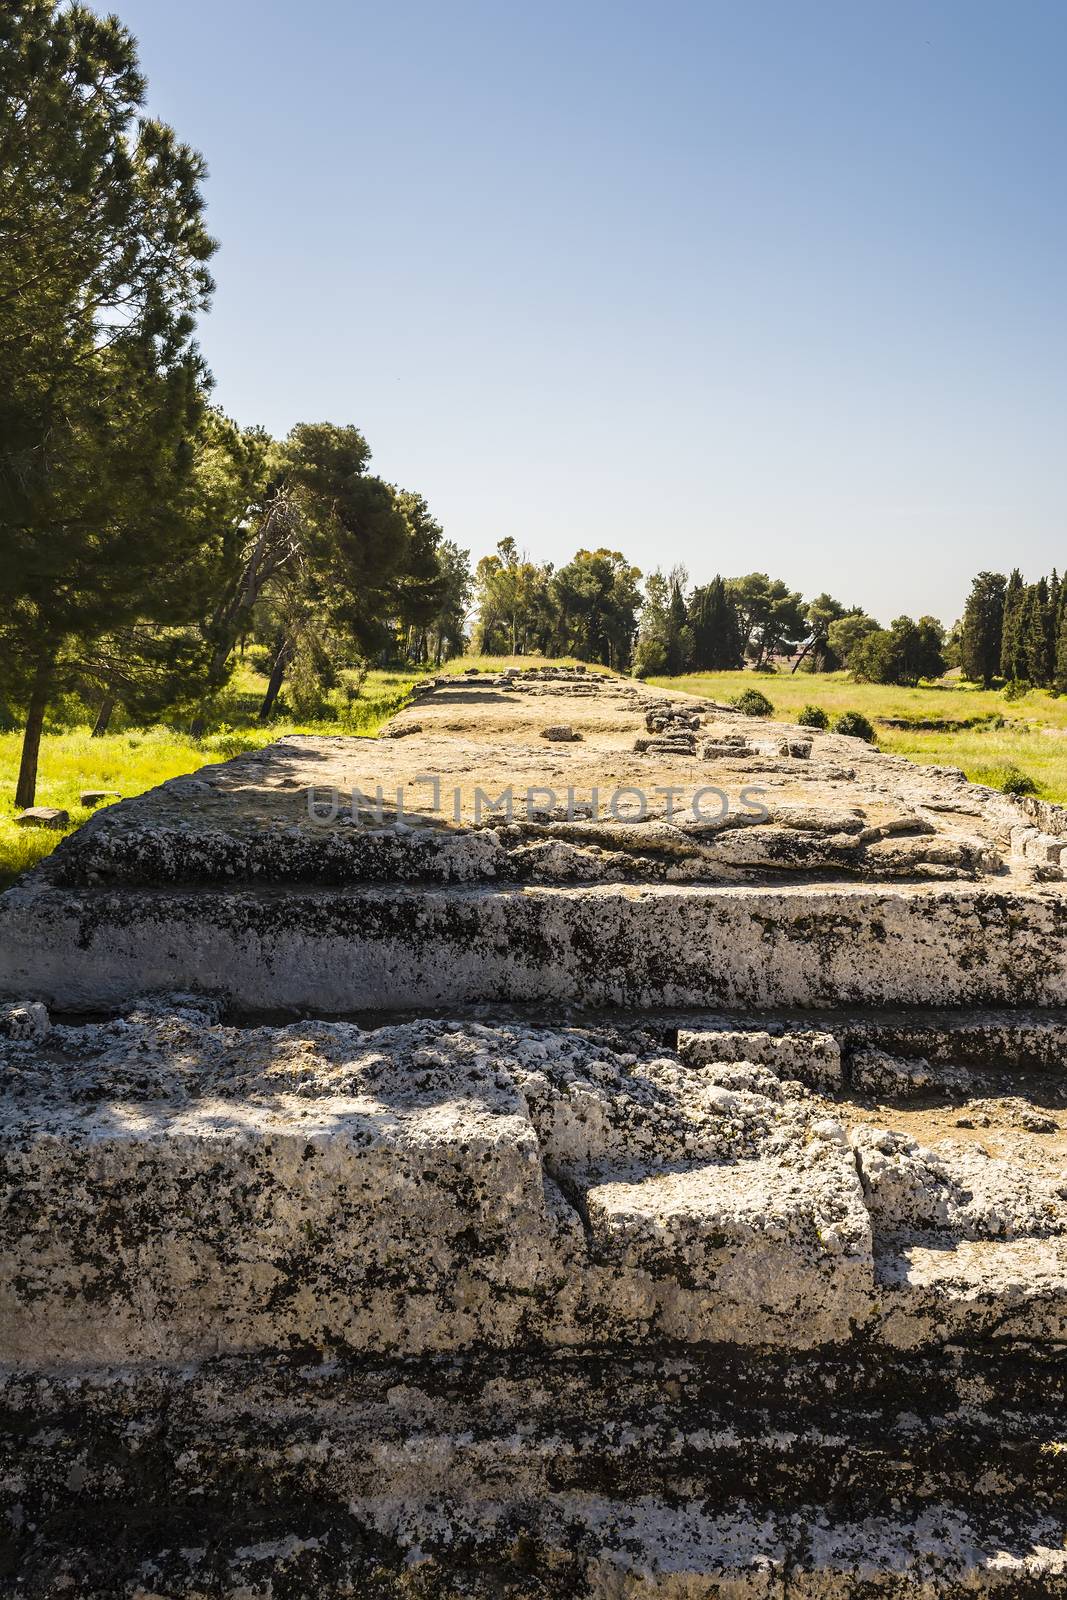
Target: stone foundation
[[627, 1215]]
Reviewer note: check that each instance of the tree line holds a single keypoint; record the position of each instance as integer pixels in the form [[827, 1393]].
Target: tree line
[[595, 608], [144, 535], [1016, 631]]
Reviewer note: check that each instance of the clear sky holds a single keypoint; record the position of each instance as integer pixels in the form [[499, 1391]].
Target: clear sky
[[766, 284]]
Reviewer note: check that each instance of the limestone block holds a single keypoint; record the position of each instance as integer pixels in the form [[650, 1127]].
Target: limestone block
[[808, 1055], [25, 1022], [42, 817]]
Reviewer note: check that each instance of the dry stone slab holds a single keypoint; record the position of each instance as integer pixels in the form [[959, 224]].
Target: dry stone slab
[[42, 817]]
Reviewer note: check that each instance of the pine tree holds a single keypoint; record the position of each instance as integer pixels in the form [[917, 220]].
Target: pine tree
[[983, 616], [102, 265]]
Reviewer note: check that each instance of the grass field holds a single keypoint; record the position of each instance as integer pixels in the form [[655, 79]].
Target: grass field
[[1029, 734]]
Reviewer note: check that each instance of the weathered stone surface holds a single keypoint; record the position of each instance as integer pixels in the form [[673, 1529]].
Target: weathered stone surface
[[808, 1055], [657, 1200], [28, 1022], [809, 883], [388, 1200], [96, 797], [42, 817]]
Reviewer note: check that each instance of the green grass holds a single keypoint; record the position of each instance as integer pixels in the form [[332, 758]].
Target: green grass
[[1033, 739]]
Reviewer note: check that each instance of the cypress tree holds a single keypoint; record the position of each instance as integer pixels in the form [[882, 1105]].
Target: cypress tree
[[983, 615], [1011, 658], [716, 632], [1052, 618], [677, 620], [1060, 673], [1032, 634]]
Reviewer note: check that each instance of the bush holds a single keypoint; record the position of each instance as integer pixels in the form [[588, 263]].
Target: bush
[[1016, 688], [813, 717], [856, 726], [1015, 781], [753, 704], [650, 657], [767, 667]]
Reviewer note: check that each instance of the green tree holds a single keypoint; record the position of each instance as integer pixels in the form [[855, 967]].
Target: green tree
[[422, 582], [847, 632], [769, 613], [679, 633], [102, 266], [597, 600], [447, 629], [902, 653], [1032, 644], [819, 615], [650, 648], [717, 644], [363, 554], [515, 611], [1051, 619], [983, 623], [1012, 662], [1060, 674]]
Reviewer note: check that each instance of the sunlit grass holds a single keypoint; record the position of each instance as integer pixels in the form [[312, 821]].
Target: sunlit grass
[[131, 760], [1034, 739]]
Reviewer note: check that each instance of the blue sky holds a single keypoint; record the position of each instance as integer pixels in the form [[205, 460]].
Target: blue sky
[[764, 285]]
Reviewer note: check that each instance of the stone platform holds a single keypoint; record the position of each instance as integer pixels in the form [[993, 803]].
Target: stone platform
[[564, 1206]]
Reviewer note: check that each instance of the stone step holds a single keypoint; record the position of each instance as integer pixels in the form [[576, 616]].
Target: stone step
[[565, 1547], [343, 950], [330, 1431], [175, 1190]]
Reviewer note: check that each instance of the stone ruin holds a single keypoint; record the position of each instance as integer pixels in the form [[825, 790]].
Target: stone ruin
[[642, 1197]]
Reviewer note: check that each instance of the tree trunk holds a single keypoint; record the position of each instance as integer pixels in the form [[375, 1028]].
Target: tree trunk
[[804, 652], [277, 674], [103, 716], [26, 790]]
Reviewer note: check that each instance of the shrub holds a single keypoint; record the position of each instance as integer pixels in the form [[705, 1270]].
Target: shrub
[[1016, 688], [813, 717], [753, 704], [767, 667], [1015, 781], [650, 657], [855, 725]]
